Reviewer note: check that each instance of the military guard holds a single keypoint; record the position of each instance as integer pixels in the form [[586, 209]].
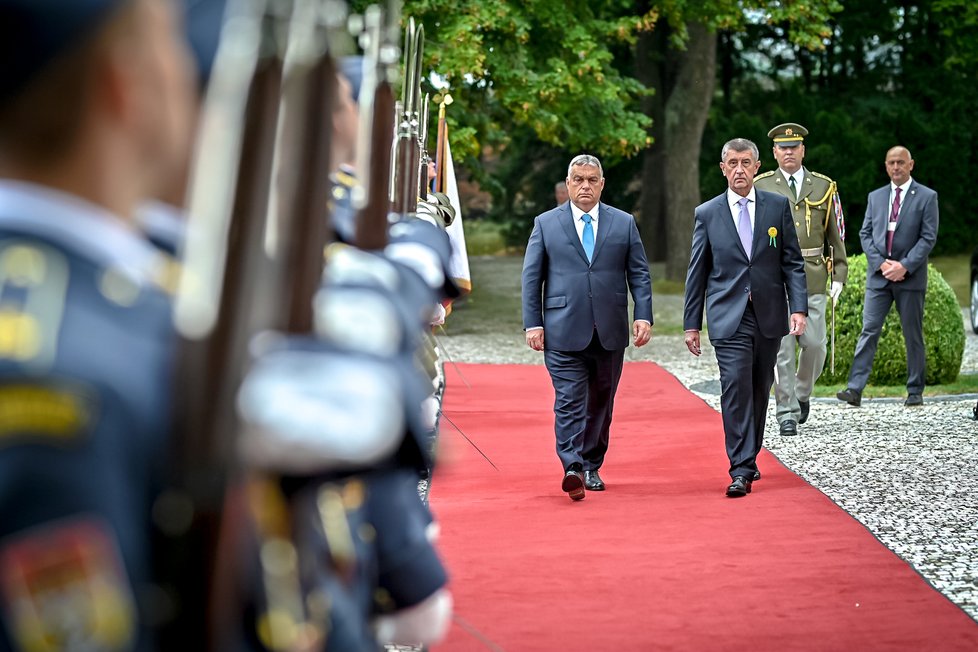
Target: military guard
[[819, 221], [85, 323]]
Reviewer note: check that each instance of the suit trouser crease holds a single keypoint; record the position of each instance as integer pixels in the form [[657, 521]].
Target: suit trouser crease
[[746, 360], [585, 383], [795, 382], [910, 306]]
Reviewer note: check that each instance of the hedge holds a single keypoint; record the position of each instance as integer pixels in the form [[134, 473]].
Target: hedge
[[943, 333]]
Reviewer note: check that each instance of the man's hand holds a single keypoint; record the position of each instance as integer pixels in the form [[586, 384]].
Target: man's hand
[[534, 338], [642, 332], [835, 290], [893, 270], [797, 322], [693, 342]]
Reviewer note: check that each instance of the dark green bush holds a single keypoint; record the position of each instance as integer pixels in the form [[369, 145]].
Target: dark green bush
[[943, 333]]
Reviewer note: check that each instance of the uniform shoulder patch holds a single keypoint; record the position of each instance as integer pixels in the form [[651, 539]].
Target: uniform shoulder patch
[[820, 176], [764, 175], [73, 566], [33, 290]]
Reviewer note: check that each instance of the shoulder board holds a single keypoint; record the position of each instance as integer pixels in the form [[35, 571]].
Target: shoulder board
[[344, 179], [764, 175], [820, 176]]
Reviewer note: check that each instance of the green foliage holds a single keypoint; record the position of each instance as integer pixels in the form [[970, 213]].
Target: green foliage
[[893, 72], [943, 333]]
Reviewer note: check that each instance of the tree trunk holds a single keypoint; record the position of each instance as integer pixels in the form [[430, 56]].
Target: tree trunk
[[649, 56], [687, 109]]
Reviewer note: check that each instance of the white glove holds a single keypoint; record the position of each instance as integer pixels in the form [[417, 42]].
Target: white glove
[[835, 290]]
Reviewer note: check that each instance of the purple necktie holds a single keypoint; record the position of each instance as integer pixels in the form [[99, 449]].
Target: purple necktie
[[894, 213], [744, 228]]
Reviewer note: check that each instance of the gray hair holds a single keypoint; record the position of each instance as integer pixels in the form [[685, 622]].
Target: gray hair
[[739, 145], [585, 160]]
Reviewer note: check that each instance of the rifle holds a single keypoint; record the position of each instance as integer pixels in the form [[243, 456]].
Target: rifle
[[441, 138], [264, 103], [376, 137], [407, 150]]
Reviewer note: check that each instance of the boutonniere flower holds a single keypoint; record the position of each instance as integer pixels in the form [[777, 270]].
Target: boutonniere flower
[[773, 232]]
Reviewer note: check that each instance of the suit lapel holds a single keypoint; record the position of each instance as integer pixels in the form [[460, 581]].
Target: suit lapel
[[566, 218], [726, 221], [760, 223]]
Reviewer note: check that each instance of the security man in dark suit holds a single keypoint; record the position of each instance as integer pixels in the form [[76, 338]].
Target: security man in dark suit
[[814, 201], [85, 324], [897, 235], [746, 268]]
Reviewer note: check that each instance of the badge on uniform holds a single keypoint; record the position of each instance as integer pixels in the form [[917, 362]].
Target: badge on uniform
[[65, 588]]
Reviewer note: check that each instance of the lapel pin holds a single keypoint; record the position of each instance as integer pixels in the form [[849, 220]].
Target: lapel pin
[[773, 232]]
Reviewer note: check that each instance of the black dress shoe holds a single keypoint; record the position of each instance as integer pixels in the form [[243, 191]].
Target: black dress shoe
[[592, 481], [850, 396], [914, 399], [805, 407], [757, 476], [789, 428], [739, 487], [573, 484]]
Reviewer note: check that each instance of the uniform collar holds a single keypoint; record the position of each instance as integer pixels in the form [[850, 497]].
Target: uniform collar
[[78, 225]]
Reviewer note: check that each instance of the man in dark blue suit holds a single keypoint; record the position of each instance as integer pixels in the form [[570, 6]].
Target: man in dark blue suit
[[582, 259], [897, 235], [746, 266]]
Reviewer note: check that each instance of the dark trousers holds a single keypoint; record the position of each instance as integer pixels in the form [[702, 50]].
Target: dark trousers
[[910, 306], [584, 383], [746, 361]]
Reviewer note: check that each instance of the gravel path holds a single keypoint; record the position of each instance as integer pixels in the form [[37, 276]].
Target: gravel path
[[908, 474]]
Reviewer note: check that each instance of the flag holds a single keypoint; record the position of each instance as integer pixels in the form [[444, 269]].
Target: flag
[[458, 264]]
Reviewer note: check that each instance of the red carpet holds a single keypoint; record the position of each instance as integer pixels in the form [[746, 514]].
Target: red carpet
[[661, 560]]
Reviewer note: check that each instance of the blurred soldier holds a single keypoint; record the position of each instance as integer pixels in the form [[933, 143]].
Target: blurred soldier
[[817, 216], [344, 146], [349, 458], [96, 102], [560, 192]]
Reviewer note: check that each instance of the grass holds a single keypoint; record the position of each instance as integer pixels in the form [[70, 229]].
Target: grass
[[956, 270]]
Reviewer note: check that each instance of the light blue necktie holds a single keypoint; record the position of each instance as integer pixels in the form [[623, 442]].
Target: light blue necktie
[[743, 226], [587, 239]]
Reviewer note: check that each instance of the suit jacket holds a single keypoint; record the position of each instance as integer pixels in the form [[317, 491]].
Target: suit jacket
[[915, 235], [572, 298], [721, 274]]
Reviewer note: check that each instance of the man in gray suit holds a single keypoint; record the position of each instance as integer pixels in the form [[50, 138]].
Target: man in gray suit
[[746, 267], [582, 259], [897, 235]]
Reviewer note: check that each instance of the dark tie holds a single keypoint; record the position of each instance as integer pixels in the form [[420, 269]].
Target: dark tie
[[587, 239], [743, 227], [894, 213], [794, 188]]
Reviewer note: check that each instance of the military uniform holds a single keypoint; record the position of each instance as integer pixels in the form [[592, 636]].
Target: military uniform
[[85, 355], [819, 223]]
